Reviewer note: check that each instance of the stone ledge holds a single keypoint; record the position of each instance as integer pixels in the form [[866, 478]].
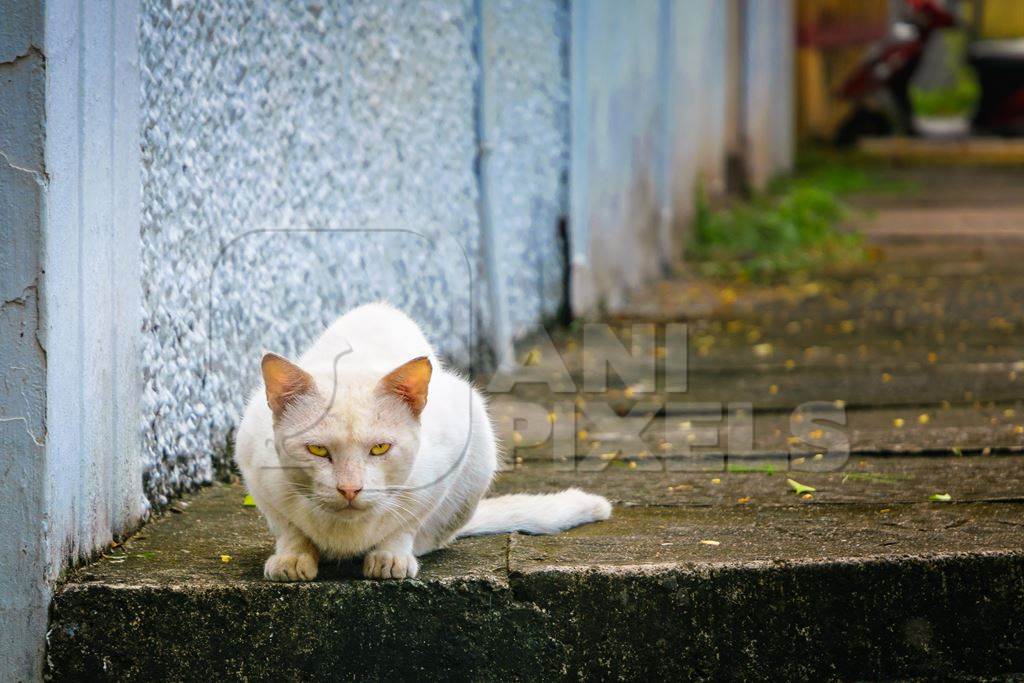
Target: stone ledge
[[841, 590]]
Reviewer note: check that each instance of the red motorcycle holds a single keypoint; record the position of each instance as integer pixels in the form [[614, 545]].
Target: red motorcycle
[[880, 86]]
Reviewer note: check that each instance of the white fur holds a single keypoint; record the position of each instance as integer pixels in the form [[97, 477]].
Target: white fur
[[417, 496], [537, 514]]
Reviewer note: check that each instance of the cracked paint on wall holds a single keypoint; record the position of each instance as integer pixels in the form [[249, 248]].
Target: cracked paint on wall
[[23, 381]]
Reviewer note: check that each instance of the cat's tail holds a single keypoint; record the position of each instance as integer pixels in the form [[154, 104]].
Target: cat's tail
[[545, 513]]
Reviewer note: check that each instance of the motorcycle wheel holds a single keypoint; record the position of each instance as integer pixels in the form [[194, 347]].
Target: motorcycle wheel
[[862, 122]]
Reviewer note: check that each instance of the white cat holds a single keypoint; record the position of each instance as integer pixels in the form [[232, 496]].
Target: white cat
[[369, 446]]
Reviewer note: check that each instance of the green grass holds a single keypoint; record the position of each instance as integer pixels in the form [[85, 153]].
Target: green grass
[[794, 226], [748, 469], [836, 172]]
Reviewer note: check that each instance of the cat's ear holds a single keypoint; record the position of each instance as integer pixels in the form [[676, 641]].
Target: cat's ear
[[409, 383], [285, 381]]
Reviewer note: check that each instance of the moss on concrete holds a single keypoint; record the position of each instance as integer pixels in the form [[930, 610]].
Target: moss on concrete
[[847, 590]]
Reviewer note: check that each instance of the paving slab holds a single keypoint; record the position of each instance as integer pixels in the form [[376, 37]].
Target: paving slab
[[204, 529], [685, 582], [879, 482], [971, 150], [711, 431], [785, 391], [648, 537]]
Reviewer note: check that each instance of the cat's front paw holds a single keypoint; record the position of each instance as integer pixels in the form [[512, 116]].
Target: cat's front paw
[[383, 564], [298, 567]]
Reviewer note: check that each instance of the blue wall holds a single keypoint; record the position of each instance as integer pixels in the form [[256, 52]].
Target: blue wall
[[25, 593], [70, 470], [662, 92], [617, 138], [526, 65], [770, 128]]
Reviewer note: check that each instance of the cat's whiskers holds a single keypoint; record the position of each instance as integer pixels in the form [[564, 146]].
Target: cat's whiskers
[[392, 506], [305, 493], [417, 498]]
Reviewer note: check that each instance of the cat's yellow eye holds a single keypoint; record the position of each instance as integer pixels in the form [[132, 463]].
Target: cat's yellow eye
[[317, 450], [380, 449]]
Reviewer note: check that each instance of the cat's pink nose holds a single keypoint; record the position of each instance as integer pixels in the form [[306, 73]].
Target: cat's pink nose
[[349, 493]]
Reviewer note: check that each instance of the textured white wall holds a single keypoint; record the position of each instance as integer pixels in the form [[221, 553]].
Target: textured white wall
[[300, 159]]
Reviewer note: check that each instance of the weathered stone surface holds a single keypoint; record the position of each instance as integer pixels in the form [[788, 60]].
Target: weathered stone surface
[[868, 586], [894, 617], [642, 538], [464, 629], [167, 606], [878, 481], [711, 438]]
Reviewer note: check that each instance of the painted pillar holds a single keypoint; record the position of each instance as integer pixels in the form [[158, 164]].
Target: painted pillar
[[24, 592], [617, 131], [499, 332], [768, 97], [69, 327], [695, 90]]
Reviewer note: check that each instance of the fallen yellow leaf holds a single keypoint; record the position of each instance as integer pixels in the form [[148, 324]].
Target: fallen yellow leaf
[[799, 488]]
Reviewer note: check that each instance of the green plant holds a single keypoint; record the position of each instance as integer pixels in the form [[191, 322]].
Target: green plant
[[792, 228], [960, 97]]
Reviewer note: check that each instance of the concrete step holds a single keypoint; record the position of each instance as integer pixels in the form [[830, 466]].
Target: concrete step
[[723, 433], [970, 150], [697, 575]]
